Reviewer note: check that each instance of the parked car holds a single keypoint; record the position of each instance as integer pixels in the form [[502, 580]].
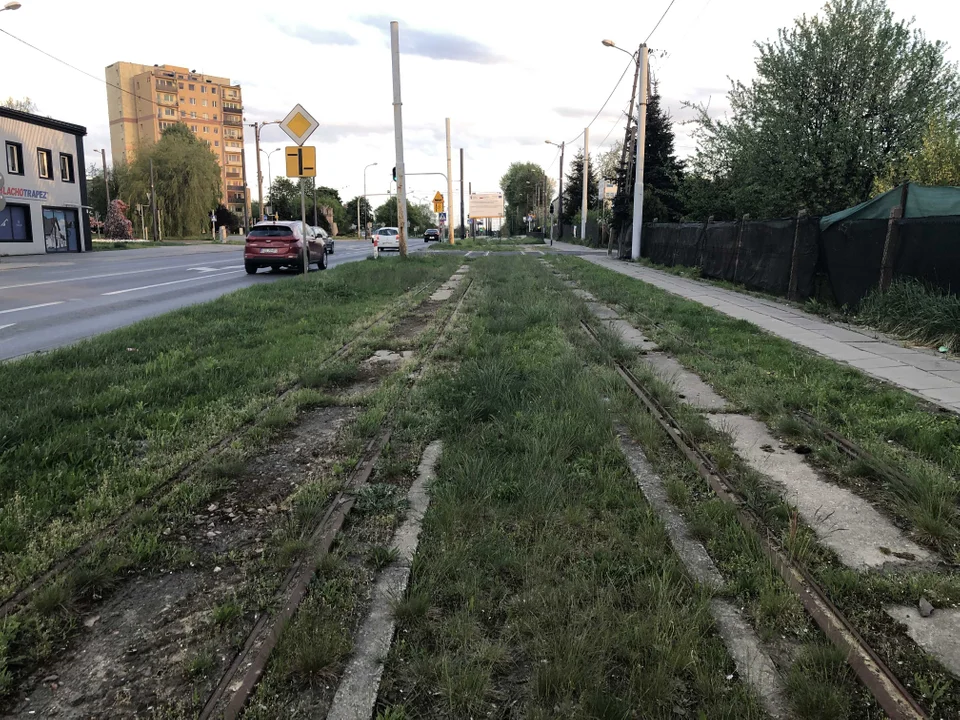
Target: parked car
[[431, 234], [328, 241], [386, 238], [277, 244]]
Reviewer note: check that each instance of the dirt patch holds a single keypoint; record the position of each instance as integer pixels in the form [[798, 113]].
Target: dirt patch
[[155, 643], [408, 331]]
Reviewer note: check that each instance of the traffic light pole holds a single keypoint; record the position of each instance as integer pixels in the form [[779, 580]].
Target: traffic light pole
[[449, 183]]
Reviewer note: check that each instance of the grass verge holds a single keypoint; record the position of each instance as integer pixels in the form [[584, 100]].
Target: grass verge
[[771, 377], [916, 311], [482, 243], [94, 426], [544, 586]]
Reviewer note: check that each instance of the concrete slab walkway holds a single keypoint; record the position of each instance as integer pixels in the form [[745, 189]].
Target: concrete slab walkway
[[922, 373]]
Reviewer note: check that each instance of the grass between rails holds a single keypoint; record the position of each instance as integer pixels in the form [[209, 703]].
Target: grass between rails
[[544, 585], [482, 243], [85, 430], [771, 377]]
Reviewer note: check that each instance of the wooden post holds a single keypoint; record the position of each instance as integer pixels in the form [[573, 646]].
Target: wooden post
[[736, 261], [891, 247], [792, 293], [703, 241]]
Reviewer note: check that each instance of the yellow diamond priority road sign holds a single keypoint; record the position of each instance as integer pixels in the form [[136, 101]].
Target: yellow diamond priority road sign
[[299, 124]]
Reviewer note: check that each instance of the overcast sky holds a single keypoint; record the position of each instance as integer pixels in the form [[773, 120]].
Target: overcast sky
[[509, 74]]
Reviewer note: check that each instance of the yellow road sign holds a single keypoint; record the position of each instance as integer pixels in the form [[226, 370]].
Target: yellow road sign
[[299, 124], [438, 203], [301, 161]]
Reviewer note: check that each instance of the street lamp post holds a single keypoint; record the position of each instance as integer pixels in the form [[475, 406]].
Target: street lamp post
[[269, 175], [641, 79], [562, 145], [257, 127], [364, 203]]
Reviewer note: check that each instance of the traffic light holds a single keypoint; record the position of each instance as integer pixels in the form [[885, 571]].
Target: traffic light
[[551, 208], [394, 173]]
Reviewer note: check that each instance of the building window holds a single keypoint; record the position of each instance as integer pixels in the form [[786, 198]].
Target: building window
[[206, 129], [169, 111], [193, 101], [214, 102], [15, 224], [192, 87], [183, 113], [180, 76], [14, 158], [214, 116], [204, 103], [66, 168], [206, 117], [203, 88], [181, 85], [216, 143], [193, 127], [45, 163], [193, 115], [216, 131], [213, 90]]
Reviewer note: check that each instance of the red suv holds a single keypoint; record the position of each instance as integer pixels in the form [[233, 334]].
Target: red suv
[[280, 244]]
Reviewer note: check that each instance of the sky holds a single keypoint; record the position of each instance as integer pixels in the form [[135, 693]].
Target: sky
[[509, 75]]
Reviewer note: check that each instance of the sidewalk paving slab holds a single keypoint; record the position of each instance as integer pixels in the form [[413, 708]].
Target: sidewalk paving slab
[[919, 371]]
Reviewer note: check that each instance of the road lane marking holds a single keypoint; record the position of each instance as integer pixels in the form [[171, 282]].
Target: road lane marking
[[105, 275], [4, 327], [172, 282], [469, 254], [32, 307]]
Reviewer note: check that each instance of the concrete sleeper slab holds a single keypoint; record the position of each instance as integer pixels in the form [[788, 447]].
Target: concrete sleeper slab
[[843, 521], [357, 693], [694, 391], [752, 661]]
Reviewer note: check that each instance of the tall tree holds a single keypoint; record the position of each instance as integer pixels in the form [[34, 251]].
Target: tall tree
[[386, 214], [520, 185], [573, 189], [838, 99], [937, 162], [366, 211], [186, 179], [609, 163], [284, 199]]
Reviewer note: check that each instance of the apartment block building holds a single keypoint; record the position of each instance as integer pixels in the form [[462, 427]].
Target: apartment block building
[[143, 100]]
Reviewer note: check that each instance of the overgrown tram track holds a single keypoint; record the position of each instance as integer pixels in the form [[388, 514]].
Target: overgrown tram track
[[886, 688], [235, 687], [26, 592]]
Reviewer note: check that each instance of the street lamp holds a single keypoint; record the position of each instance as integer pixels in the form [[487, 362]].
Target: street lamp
[[640, 78], [364, 203], [559, 192], [11, 6], [257, 127], [269, 175]]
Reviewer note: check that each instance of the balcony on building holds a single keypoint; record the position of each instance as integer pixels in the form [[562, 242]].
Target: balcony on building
[[227, 106], [234, 120], [166, 85]]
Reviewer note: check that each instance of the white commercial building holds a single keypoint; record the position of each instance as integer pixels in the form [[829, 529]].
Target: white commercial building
[[44, 186]]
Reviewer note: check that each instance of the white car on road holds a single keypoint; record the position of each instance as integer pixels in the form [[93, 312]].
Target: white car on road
[[386, 238]]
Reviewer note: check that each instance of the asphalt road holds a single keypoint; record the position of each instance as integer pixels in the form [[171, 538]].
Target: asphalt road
[[55, 300]]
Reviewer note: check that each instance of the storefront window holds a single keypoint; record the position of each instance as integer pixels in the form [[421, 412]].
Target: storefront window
[[15, 224], [60, 231]]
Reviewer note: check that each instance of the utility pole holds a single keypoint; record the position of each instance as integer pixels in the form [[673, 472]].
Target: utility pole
[[463, 223], [303, 228], [315, 223], [153, 205], [563, 146], [586, 185], [246, 191], [256, 134], [449, 186], [106, 180], [398, 132], [473, 223], [641, 138]]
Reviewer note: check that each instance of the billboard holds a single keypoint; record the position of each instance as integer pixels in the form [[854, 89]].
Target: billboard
[[486, 205]]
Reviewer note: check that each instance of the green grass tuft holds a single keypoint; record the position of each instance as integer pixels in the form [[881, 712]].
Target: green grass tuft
[[915, 310]]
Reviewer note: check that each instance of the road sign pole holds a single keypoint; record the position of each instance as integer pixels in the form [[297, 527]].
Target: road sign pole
[[303, 228]]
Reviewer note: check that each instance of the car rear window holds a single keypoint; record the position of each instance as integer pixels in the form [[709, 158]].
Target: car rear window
[[271, 231], [388, 231]]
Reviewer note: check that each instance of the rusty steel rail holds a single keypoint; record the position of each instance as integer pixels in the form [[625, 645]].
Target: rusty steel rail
[[26, 592], [889, 692], [237, 684]]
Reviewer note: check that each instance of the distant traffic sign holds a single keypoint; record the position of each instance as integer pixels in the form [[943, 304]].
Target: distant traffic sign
[[443, 217], [438, 203], [299, 124], [301, 161]]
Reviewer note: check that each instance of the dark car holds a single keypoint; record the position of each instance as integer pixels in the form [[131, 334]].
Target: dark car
[[327, 240], [431, 234], [280, 244]]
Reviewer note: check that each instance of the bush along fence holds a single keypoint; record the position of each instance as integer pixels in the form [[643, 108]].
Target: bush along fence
[[792, 257]]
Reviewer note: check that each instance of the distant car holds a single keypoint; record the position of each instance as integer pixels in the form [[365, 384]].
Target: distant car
[[278, 244], [431, 234], [386, 238], [328, 241]]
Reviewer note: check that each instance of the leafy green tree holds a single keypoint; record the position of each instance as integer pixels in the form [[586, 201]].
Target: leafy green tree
[[609, 163], [186, 180], [97, 191], [386, 214], [254, 211], [573, 189], [366, 211], [419, 217], [937, 162], [228, 219], [521, 184], [284, 199], [838, 99]]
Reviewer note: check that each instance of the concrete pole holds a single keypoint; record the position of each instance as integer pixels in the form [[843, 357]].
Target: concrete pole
[[563, 146], [463, 222], [641, 141], [586, 185], [303, 228], [449, 185], [153, 205], [398, 132], [256, 135]]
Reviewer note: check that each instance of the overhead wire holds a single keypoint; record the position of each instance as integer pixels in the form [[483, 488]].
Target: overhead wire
[[602, 107], [659, 21]]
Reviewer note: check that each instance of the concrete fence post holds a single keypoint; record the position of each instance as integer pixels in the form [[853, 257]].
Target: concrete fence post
[[792, 285]]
